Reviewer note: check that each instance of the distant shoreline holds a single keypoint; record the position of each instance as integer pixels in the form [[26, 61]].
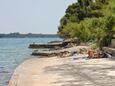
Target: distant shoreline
[[29, 35]]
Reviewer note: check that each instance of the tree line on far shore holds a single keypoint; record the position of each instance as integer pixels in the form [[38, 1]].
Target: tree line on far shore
[[89, 21], [28, 35]]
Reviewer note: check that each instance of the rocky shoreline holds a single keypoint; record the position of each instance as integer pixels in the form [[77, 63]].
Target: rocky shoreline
[[64, 72], [65, 67]]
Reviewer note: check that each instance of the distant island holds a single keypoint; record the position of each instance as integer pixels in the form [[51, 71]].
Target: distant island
[[28, 35]]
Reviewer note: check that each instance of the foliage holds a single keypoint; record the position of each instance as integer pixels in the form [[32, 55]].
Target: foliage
[[94, 46], [89, 20]]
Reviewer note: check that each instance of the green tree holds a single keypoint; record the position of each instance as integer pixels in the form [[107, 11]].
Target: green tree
[[89, 20]]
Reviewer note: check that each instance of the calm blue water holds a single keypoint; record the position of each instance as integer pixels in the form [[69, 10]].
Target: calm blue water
[[13, 51]]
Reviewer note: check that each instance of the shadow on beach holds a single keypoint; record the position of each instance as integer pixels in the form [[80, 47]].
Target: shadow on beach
[[83, 74]]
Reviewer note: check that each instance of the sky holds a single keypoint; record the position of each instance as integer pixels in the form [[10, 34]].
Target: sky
[[32, 16]]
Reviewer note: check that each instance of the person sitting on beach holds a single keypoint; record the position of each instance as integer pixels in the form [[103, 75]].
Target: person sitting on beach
[[91, 53]]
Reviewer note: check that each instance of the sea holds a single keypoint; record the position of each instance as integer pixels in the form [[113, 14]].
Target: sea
[[14, 51]]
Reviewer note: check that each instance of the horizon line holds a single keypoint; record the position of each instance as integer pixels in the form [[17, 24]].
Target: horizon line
[[25, 33]]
